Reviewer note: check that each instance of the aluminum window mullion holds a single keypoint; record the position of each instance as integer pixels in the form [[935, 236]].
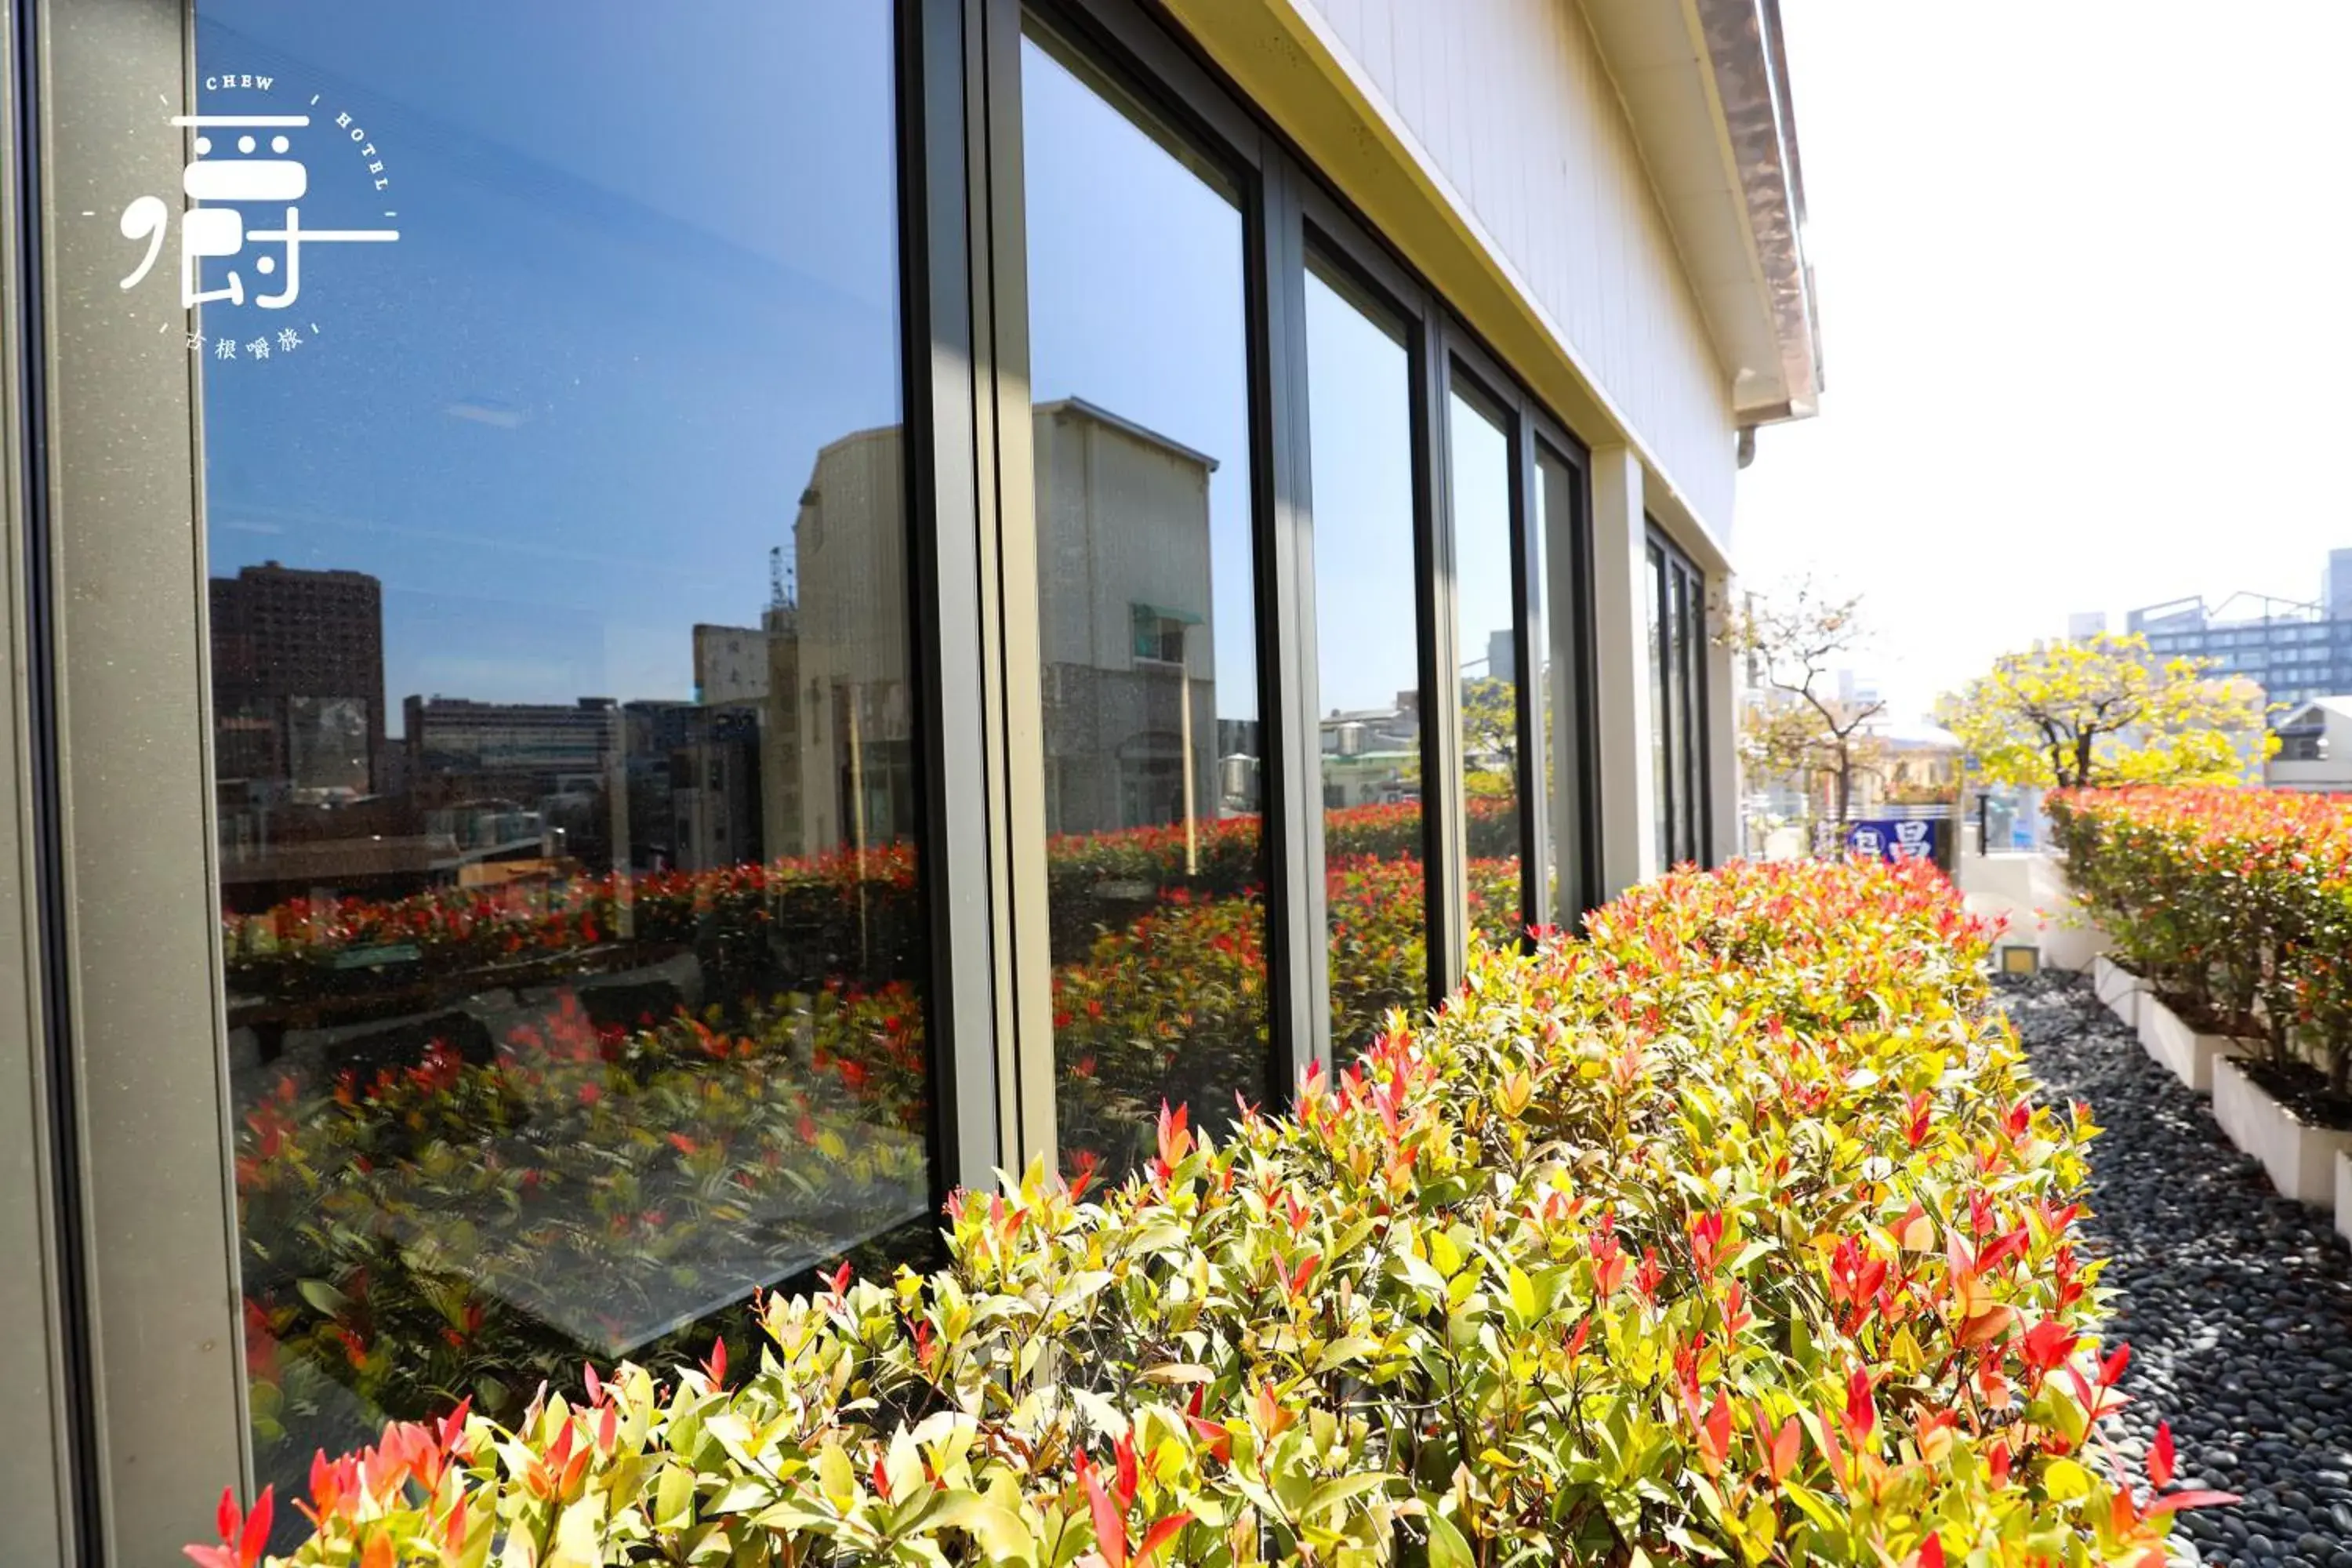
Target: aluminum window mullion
[[45, 1489], [1570, 566], [1014, 711], [940, 94], [1442, 812], [1300, 972], [142, 936]]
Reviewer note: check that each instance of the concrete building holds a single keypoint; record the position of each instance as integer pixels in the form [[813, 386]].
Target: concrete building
[[2295, 650], [2314, 746], [833, 292], [298, 677], [1128, 695]]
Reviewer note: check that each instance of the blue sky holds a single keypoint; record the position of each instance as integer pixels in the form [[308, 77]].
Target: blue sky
[[569, 412]]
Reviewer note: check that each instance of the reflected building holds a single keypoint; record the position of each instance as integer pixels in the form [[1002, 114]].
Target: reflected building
[[298, 679], [1132, 736], [1372, 756]]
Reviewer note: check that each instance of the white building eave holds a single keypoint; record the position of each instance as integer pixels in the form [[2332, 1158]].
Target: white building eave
[[1705, 83]]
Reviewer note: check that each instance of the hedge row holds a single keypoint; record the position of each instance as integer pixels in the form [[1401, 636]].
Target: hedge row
[[1728, 1233], [2226, 898], [391, 1219], [827, 907]]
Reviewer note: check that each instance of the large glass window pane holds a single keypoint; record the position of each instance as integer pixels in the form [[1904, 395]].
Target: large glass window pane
[[1138, 314], [1678, 709], [1366, 620], [1691, 598], [561, 697], [1485, 638], [1661, 777], [1559, 557]]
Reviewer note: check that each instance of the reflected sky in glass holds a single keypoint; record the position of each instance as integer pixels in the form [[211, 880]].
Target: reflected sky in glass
[[550, 418], [1359, 432]]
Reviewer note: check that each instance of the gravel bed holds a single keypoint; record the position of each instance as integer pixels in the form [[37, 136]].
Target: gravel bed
[[2237, 1303]]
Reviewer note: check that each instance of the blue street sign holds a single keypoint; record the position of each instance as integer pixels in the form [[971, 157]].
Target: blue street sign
[[1894, 840]]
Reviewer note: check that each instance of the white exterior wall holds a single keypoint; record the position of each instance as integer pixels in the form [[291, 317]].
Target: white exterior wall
[[1510, 103]]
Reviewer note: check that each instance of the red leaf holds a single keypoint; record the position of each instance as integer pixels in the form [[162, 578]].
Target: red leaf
[[256, 1529], [1160, 1535], [229, 1515], [1783, 1458], [211, 1556], [2159, 1457], [1220, 1441], [1931, 1552], [2173, 1503], [1111, 1532], [1129, 1477], [1714, 1434]]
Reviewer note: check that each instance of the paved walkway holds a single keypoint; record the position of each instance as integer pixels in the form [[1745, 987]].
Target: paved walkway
[[2237, 1303]]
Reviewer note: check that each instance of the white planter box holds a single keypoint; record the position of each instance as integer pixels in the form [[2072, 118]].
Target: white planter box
[[2118, 988], [2343, 1194], [2189, 1055], [2300, 1159]]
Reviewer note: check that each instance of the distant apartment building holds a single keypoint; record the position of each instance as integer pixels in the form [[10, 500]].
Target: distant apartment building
[[544, 740], [2295, 650], [298, 679], [2314, 746], [1370, 755], [2083, 624]]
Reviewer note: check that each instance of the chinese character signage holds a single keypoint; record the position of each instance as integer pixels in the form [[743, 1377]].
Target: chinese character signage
[[1894, 840]]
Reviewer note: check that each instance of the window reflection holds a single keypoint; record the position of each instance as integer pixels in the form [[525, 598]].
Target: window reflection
[[1677, 634], [1486, 634], [1366, 620], [1559, 568], [561, 701], [1149, 616]]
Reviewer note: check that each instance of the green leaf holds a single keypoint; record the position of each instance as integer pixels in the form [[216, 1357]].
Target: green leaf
[[1001, 1535], [836, 1476], [1447, 1546], [1341, 1490], [1347, 1348], [673, 1498], [324, 1296], [1523, 1295]]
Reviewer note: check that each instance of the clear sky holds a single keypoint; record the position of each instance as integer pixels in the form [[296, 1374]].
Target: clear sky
[[2082, 280]]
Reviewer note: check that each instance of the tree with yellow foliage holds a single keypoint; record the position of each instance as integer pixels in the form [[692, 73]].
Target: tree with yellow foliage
[[2104, 711]]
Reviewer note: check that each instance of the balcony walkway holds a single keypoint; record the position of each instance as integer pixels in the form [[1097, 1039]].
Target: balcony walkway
[[2237, 1303]]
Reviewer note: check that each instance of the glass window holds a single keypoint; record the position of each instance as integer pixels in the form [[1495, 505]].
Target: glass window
[[1661, 777], [1486, 641], [1690, 653], [1560, 579], [1368, 669], [1139, 358], [1677, 610], [562, 708]]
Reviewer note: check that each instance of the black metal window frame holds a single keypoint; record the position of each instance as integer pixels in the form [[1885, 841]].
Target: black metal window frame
[[146, 1234], [1686, 803]]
